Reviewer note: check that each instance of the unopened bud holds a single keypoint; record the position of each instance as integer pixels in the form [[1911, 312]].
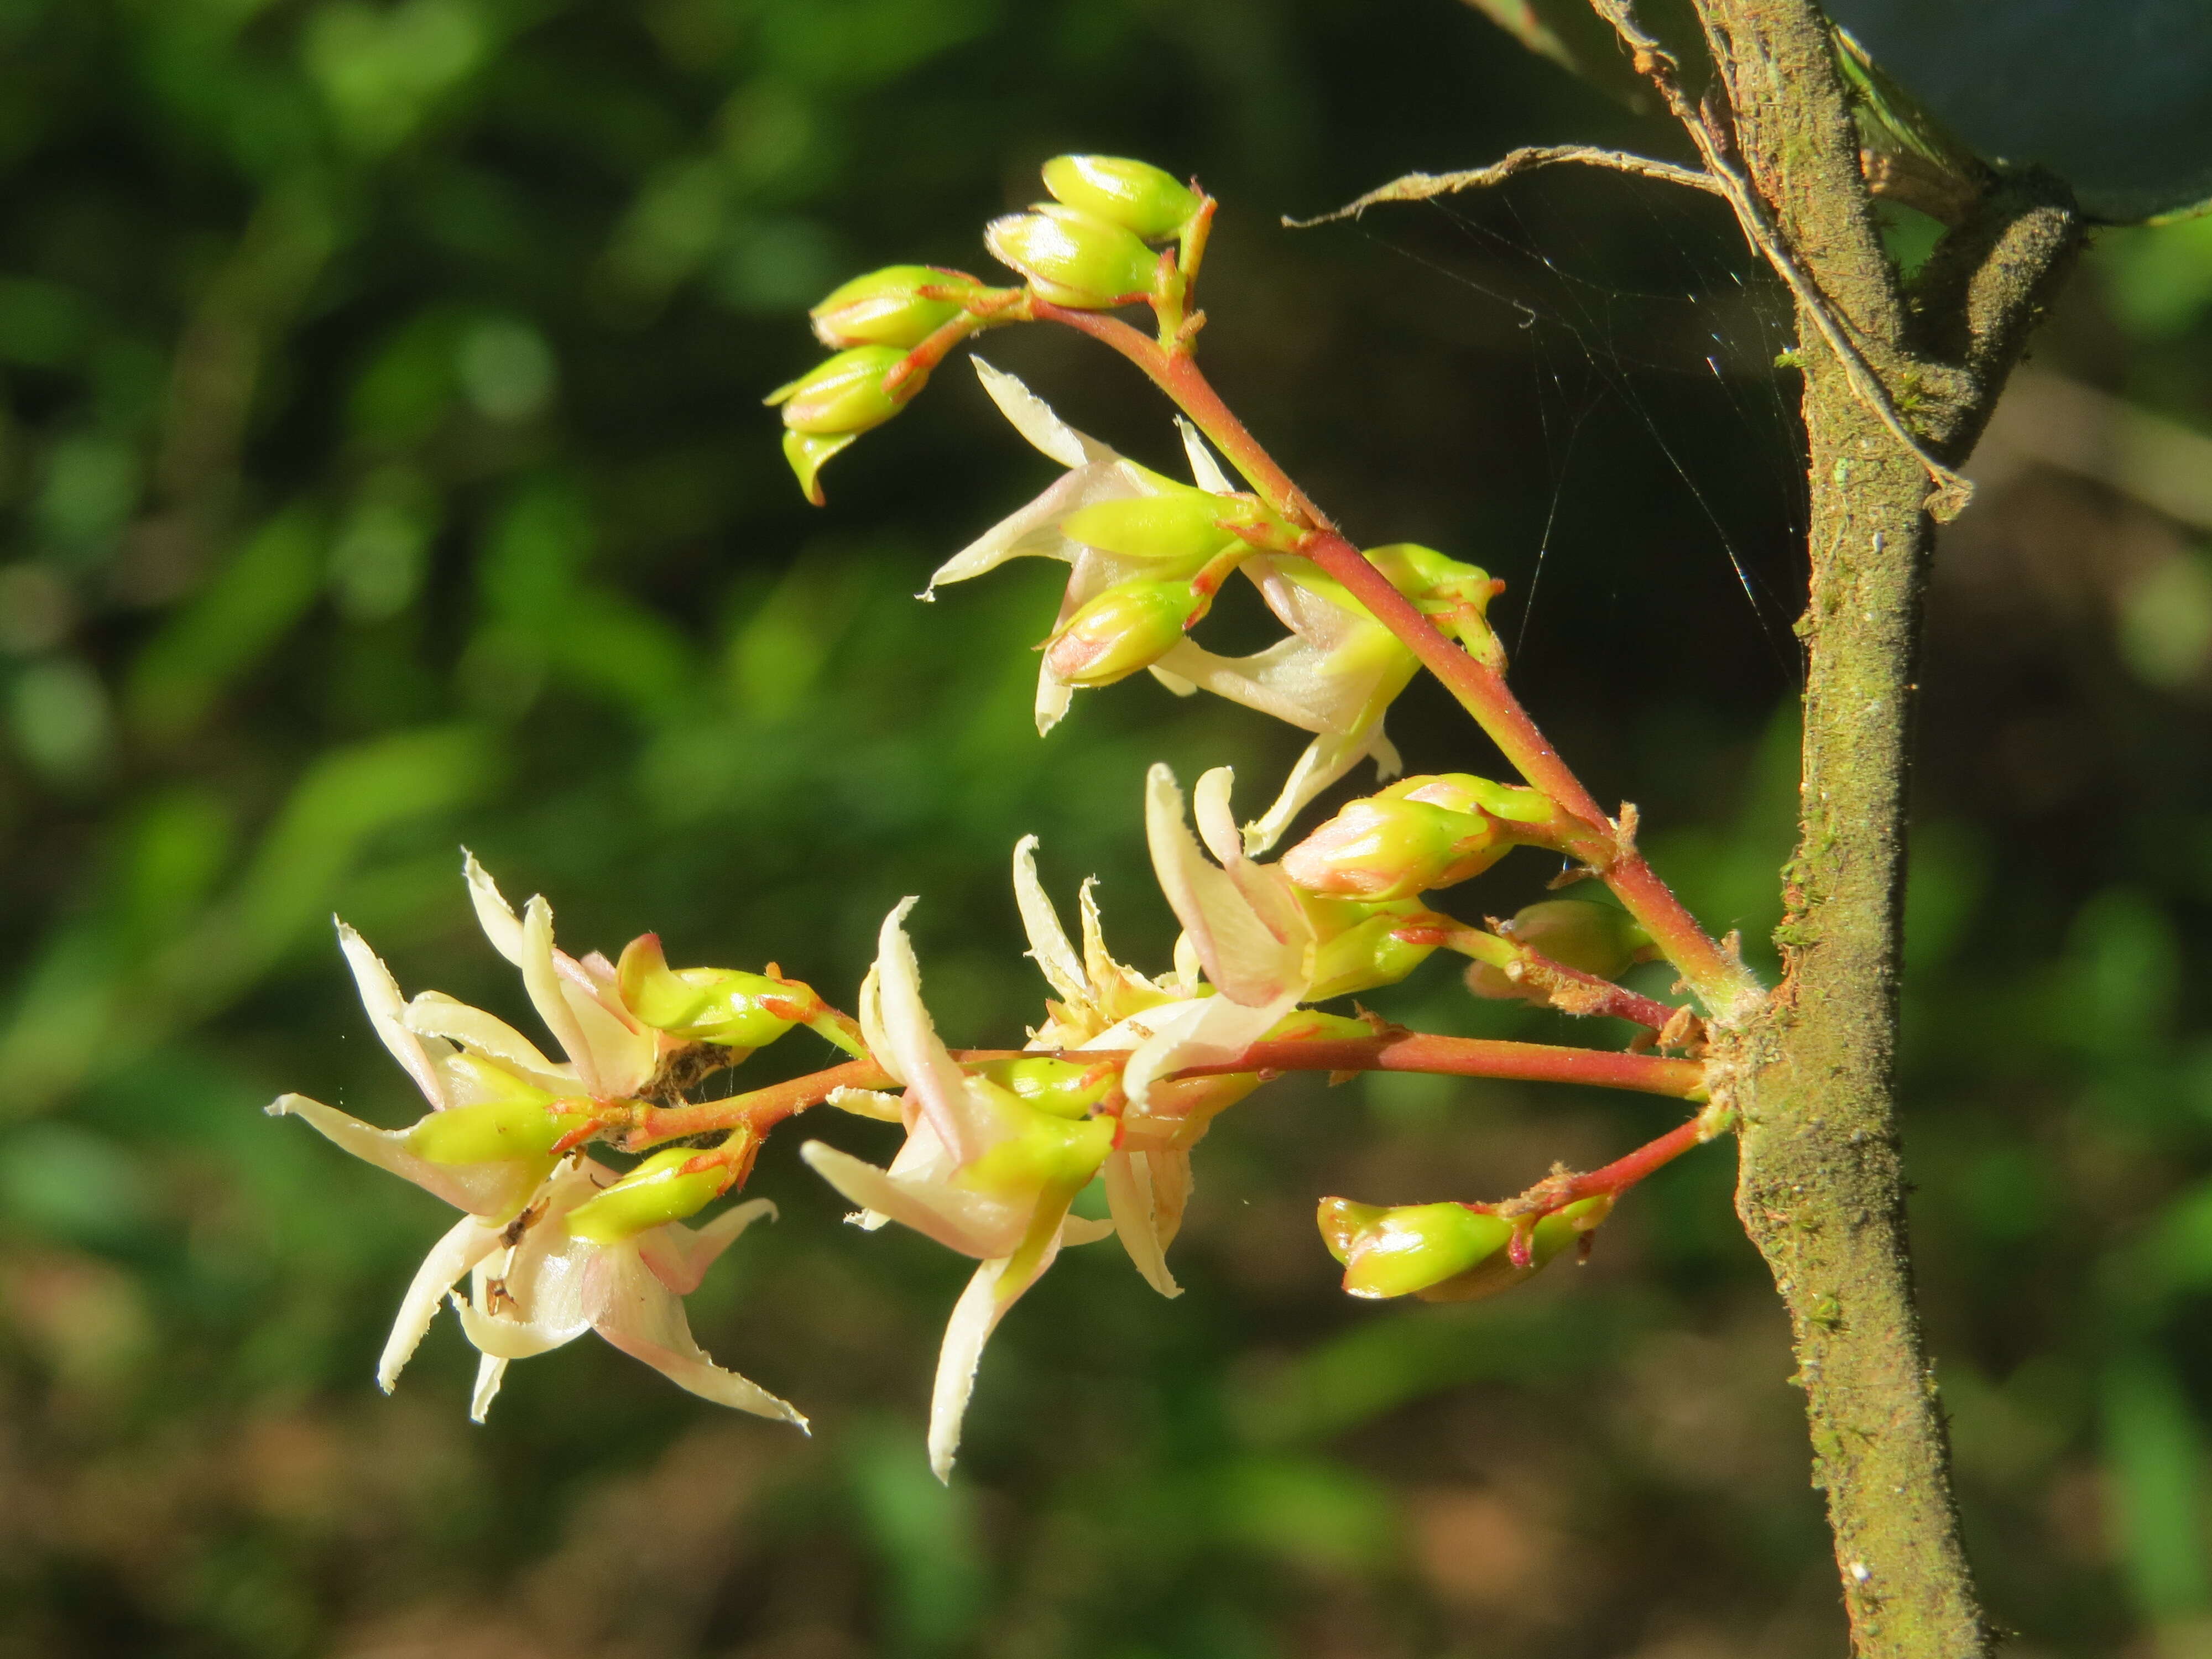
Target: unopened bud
[[495, 1131], [845, 395], [1137, 196], [1182, 529], [899, 306], [1063, 1088], [1072, 258], [1580, 934], [1130, 626], [1382, 849], [656, 1192], [722, 1006], [1463, 792], [1359, 947], [1550, 1235], [1408, 1248], [1456, 595]]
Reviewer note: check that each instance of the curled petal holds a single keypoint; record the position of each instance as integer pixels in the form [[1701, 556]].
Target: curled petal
[[1326, 758], [974, 1223], [1205, 471], [494, 913], [866, 1102], [469, 1242], [873, 1033], [680, 1255], [495, 1191], [491, 1371], [435, 1014], [1255, 956], [638, 1314], [1033, 418], [542, 981], [1129, 1199], [379, 995], [937, 1084], [1048, 945], [996, 1287]]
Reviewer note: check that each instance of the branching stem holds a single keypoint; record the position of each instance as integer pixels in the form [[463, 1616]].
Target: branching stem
[[1729, 990]]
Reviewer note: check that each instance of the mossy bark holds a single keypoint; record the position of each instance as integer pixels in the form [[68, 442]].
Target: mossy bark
[[1821, 1191]]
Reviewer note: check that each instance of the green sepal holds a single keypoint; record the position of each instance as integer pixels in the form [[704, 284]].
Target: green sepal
[[1046, 1152], [1062, 1088], [1357, 948], [845, 394], [494, 1130], [654, 1192], [1409, 1247], [1181, 531], [720, 1005]]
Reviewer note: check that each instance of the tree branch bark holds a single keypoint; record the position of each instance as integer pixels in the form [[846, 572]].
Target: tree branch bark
[[1821, 1187]]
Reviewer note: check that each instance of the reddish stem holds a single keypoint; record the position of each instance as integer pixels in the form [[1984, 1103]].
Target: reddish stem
[[1618, 1176], [1729, 989], [1526, 1062], [761, 1110]]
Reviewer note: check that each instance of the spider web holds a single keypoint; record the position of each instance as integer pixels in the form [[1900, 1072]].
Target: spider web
[[1600, 342]]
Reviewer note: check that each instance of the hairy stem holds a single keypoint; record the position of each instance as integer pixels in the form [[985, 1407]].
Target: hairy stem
[[1730, 992]]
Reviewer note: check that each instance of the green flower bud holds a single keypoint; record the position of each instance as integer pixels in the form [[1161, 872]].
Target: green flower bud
[[1410, 1248], [1137, 196], [845, 395], [723, 1006], [1463, 792], [1550, 1236], [1130, 626], [1384, 848], [655, 1192], [1359, 946], [496, 1130], [1072, 258], [1580, 934], [1598, 939], [1456, 595], [888, 307], [1062, 1088], [1181, 530]]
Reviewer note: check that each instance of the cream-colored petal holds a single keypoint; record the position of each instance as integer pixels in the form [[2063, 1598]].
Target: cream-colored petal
[[491, 1371], [493, 1191], [641, 1316], [680, 1255], [542, 981], [494, 913], [379, 995], [1082, 1230], [971, 1223], [624, 1055], [938, 1086], [1247, 959], [1284, 681], [1173, 681], [1326, 759], [435, 1014], [1204, 1031], [866, 1102], [1129, 1201], [1205, 471], [469, 1242], [996, 1286], [873, 1033], [1033, 418], [1049, 944]]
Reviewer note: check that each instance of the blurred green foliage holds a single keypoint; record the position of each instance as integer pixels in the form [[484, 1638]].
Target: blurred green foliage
[[382, 470]]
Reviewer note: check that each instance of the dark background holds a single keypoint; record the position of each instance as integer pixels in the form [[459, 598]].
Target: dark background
[[382, 470]]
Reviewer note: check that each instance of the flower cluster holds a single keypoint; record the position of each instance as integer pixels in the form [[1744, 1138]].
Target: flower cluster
[[1010, 1157]]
